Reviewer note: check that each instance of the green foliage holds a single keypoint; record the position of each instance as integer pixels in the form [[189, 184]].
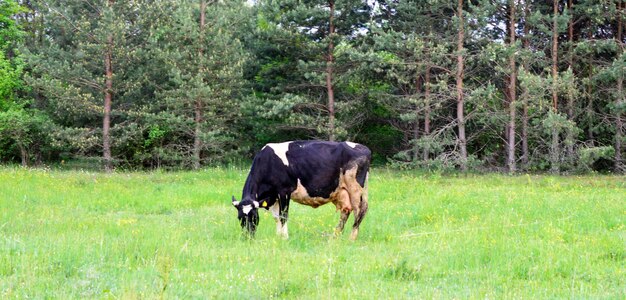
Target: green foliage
[[256, 73], [292, 49], [155, 135], [10, 80], [10, 31], [14, 126], [200, 81], [11, 65], [381, 138], [24, 134], [23, 129], [589, 156], [558, 122]]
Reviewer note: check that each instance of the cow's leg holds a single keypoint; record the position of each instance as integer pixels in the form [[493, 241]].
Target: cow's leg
[[343, 205], [283, 215], [359, 213], [358, 217], [275, 209], [342, 222]]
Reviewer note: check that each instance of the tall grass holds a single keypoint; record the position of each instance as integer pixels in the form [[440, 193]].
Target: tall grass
[[75, 234]]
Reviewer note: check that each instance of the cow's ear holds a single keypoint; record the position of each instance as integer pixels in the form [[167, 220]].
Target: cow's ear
[[256, 204], [235, 202]]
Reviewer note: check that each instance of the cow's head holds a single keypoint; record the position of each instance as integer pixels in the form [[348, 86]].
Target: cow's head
[[248, 214]]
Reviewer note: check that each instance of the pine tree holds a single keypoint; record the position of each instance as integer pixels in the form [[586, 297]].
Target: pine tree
[[619, 102], [512, 88], [88, 53], [324, 34], [205, 62], [460, 110], [408, 55]]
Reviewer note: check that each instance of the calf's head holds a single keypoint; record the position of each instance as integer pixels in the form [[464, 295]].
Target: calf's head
[[248, 214]]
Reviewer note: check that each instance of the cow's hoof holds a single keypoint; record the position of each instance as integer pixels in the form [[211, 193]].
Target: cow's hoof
[[355, 233]]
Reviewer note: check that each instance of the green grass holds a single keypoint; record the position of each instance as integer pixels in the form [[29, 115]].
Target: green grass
[[75, 234]]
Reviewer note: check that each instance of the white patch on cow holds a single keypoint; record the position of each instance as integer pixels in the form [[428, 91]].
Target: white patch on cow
[[351, 144], [300, 192], [246, 209], [280, 149], [285, 232], [354, 234], [275, 209], [279, 227]]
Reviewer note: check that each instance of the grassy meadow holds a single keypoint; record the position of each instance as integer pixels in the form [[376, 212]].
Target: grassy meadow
[[71, 234]]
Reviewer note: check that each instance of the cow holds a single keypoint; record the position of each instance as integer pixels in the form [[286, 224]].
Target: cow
[[312, 173]]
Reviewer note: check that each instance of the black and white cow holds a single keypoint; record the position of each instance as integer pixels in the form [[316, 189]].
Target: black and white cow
[[312, 173]]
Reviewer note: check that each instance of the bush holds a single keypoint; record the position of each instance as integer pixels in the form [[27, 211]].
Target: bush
[[595, 158]]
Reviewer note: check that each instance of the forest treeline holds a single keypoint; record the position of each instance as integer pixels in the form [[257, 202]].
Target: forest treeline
[[508, 85]]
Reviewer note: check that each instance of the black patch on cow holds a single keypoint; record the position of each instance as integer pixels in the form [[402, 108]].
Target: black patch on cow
[[317, 165]]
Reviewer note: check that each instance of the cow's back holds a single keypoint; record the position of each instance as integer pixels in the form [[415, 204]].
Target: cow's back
[[317, 164]]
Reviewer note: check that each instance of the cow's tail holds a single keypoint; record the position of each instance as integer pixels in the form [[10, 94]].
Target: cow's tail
[[363, 166]]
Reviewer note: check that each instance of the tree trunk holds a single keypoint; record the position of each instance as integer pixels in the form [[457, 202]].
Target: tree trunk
[[555, 59], [590, 110], [525, 92], [570, 91], [23, 154], [619, 126], [108, 96], [459, 89], [427, 109], [554, 147], [197, 143], [525, 154], [329, 72], [512, 91], [416, 128], [554, 151]]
